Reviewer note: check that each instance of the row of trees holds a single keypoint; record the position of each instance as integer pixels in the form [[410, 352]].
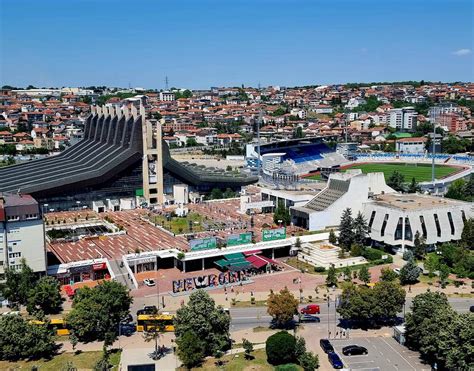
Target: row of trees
[[283, 348], [441, 335], [398, 183], [352, 230], [462, 190]]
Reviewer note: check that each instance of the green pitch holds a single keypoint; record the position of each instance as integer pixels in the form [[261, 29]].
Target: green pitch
[[421, 172]]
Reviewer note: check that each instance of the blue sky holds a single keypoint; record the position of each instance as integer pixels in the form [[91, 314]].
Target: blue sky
[[203, 43]]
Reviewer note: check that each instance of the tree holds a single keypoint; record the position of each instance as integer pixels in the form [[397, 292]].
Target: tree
[[207, 321], [300, 347], [298, 132], [408, 254], [364, 274], [389, 298], [414, 186], [153, 334], [356, 303], [20, 339], [331, 279], [443, 274], [45, 296], [457, 190], [456, 342], [308, 361], [18, 283], [216, 194], [431, 264], [347, 274], [361, 229], [191, 349], [409, 273], [388, 275], [282, 214], [282, 307], [191, 142], [419, 248], [298, 243], [96, 312], [346, 233], [280, 348], [396, 181], [332, 237], [248, 347], [467, 235]]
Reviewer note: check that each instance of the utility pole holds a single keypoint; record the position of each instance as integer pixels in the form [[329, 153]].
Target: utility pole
[[433, 146], [166, 83], [259, 121]]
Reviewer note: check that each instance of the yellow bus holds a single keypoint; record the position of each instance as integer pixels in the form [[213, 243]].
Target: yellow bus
[[58, 325], [162, 321]]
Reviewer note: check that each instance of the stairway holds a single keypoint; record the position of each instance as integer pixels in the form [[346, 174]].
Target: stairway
[[121, 274]]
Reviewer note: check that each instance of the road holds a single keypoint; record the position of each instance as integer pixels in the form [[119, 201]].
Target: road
[[243, 318]]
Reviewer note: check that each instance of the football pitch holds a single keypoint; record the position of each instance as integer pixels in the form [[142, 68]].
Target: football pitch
[[421, 172]]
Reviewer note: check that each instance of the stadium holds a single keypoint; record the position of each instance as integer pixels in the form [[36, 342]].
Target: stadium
[[119, 157]]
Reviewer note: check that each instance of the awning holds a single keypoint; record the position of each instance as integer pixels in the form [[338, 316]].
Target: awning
[[257, 261], [249, 253], [222, 263], [268, 260], [239, 266]]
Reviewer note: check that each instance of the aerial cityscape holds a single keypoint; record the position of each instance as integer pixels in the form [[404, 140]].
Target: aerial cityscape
[[255, 185]]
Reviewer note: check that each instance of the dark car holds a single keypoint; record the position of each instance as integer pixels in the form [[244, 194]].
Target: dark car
[[326, 345], [127, 319], [335, 360], [127, 329], [471, 308], [309, 318], [354, 350], [150, 309]]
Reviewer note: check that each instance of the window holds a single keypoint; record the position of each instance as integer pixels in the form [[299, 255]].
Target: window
[[372, 217], [463, 215], [384, 225], [450, 218], [398, 230], [438, 227], [423, 226], [408, 232], [14, 255]]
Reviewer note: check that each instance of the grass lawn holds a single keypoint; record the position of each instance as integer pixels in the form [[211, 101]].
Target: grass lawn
[[82, 361], [180, 225], [238, 362], [421, 172]]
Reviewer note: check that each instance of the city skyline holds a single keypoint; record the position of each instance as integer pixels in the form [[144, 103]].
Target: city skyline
[[222, 44]]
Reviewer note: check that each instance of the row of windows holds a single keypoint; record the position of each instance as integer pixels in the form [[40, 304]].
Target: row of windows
[[26, 216]]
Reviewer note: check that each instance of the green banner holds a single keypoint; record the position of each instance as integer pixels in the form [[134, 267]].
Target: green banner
[[203, 244], [274, 234], [239, 239]]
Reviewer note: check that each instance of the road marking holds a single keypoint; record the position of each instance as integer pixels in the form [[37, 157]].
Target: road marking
[[398, 353]]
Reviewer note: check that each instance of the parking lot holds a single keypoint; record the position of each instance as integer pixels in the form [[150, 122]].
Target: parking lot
[[384, 354]]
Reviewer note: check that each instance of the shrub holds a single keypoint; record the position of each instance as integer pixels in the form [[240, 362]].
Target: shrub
[[357, 250], [287, 367], [280, 348], [408, 255], [372, 254], [308, 361], [319, 269]]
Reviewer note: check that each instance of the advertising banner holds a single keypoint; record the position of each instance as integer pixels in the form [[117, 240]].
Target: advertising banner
[[274, 234], [239, 239], [203, 244]]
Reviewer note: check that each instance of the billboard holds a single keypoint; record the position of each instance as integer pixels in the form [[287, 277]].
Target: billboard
[[203, 244], [274, 234], [239, 239], [208, 281]]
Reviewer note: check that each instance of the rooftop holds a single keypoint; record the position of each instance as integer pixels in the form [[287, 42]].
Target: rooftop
[[414, 202]]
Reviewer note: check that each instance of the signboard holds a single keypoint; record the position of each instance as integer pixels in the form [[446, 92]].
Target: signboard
[[274, 234], [99, 266], [203, 244], [239, 239], [258, 205], [208, 281]]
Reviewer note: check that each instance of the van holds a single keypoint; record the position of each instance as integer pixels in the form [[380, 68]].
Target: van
[[310, 309]]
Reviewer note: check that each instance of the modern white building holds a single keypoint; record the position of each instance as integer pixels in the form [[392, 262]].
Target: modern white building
[[166, 96], [411, 145], [395, 218], [355, 102], [350, 189], [403, 119], [21, 233]]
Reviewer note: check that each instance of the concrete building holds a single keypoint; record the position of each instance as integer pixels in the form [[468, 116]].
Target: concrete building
[[394, 219], [350, 189], [403, 119], [21, 233], [411, 145], [167, 96]]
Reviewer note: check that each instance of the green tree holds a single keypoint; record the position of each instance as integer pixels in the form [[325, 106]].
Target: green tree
[[298, 132], [456, 342], [45, 296], [20, 339], [396, 181], [409, 273], [191, 142], [364, 274], [248, 347], [356, 303], [282, 214], [419, 247], [414, 186], [308, 361], [332, 237], [153, 335], [191, 349], [389, 298], [280, 348], [431, 264], [216, 194], [347, 274], [207, 321], [388, 275], [300, 347], [18, 283], [346, 233], [457, 190], [361, 229], [467, 235], [282, 306], [96, 312], [280, 111], [443, 274], [331, 279]]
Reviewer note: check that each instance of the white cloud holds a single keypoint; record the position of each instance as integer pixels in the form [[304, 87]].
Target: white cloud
[[462, 52]]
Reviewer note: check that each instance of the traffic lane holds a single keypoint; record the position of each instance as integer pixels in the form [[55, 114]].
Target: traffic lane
[[383, 354]]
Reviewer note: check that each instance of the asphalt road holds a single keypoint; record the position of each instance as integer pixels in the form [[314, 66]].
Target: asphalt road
[[243, 318]]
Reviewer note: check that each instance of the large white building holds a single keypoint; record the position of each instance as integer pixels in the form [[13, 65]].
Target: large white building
[[21, 233], [395, 218], [411, 145], [403, 119]]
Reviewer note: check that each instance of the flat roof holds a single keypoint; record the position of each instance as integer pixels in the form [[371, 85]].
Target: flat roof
[[415, 201]]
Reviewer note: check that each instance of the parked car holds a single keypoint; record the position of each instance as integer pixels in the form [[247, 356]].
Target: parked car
[[149, 282], [326, 345], [335, 361], [354, 350], [396, 270], [310, 309], [471, 308], [127, 319], [148, 309], [127, 329], [309, 318]]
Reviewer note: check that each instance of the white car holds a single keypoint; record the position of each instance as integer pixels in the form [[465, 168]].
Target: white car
[[149, 282], [396, 270]]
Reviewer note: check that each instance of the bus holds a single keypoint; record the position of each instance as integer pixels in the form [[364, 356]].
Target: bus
[[58, 325], [162, 321]]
